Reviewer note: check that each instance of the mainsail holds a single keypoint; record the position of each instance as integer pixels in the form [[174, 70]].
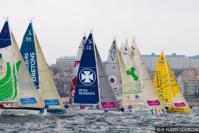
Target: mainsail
[[131, 92], [113, 71], [76, 67], [45, 84], [9, 66], [28, 95], [107, 96], [86, 90], [167, 87], [149, 93]]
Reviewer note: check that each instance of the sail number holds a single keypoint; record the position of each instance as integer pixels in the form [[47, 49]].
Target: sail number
[[28, 39], [88, 47]]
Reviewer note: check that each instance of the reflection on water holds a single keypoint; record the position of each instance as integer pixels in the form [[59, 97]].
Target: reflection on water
[[116, 123]]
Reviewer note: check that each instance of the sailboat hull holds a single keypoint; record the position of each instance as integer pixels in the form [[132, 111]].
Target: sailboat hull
[[21, 111], [94, 111], [144, 110], [181, 110], [56, 111]]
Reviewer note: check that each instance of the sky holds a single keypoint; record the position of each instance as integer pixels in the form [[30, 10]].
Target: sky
[[169, 25]]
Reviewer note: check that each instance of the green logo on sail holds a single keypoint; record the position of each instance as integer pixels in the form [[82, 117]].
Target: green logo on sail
[[8, 84], [132, 73]]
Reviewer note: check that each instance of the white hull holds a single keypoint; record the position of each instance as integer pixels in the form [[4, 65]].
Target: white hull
[[24, 112], [144, 111], [56, 112], [19, 112], [93, 111]]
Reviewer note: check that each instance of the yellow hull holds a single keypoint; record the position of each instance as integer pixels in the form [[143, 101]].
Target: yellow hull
[[179, 109]]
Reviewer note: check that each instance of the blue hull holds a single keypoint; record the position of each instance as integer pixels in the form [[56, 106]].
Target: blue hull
[[56, 111]]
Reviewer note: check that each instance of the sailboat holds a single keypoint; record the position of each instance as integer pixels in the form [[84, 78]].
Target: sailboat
[[86, 89], [150, 95], [18, 94], [166, 85], [76, 67], [132, 95], [113, 71], [93, 89], [40, 73], [107, 97]]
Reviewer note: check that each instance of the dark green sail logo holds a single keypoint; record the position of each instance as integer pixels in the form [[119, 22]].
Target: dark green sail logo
[[132, 73], [8, 84]]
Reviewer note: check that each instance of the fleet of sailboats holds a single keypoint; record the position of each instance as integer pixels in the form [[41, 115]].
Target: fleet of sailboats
[[121, 83]]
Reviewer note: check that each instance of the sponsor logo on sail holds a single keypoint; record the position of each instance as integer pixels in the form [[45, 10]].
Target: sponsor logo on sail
[[87, 76], [113, 82], [131, 72], [30, 61]]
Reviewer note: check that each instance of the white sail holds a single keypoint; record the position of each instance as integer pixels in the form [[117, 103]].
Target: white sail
[[131, 92], [124, 51], [8, 70], [47, 85], [76, 67], [149, 93], [113, 71], [79, 55], [28, 95], [107, 96]]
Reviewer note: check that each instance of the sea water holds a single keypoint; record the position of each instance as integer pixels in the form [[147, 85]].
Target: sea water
[[139, 122]]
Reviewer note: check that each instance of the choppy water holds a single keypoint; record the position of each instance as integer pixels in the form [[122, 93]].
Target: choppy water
[[94, 123]]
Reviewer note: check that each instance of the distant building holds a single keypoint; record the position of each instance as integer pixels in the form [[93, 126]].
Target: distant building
[[194, 61], [175, 61], [150, 61], [66, 63], [63, 70], [189, 82]]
